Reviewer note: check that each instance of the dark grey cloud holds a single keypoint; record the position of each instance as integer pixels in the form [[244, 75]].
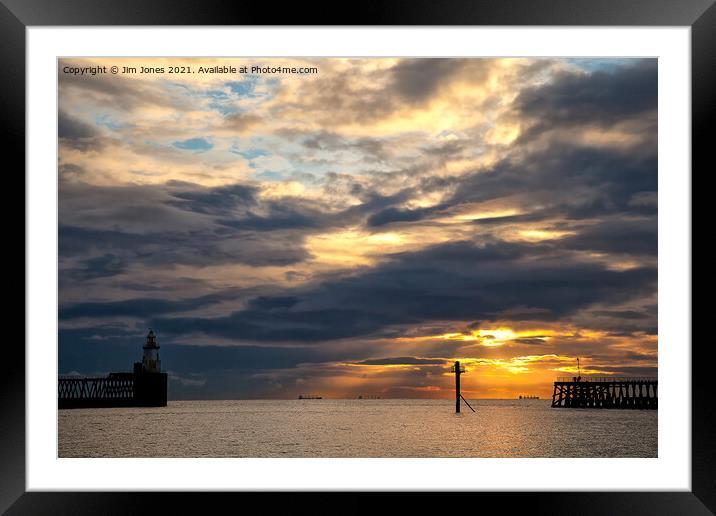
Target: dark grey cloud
[[565, 181], [220, 200], [303, 326], [574, 181], [392, 214], [652, 371], [401, 361], [603, 97], [143, 308], [272, 303], [279, 216], [633, 320], [99, 267], [417, 79], [67, 171], [455, 281], [72, 128], [76, 134], [180, 224], [197, 248], [238, 206], [622, 314], [634, 237]]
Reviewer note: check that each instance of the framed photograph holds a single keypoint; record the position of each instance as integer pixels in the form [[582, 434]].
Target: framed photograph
[[270, 251]]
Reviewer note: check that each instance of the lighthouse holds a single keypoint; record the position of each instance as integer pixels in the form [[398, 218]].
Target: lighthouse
[[150, 359], [146, 386], [150, 384]]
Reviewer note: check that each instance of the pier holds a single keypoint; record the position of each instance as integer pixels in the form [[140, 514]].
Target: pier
[[606, 392], [146, 386], [115, 390]]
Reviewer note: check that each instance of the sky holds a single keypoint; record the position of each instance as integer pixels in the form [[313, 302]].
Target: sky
[[355, 230]]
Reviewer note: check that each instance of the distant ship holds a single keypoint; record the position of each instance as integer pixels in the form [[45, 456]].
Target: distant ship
[[368, 397], [309, 397], [529, 397]]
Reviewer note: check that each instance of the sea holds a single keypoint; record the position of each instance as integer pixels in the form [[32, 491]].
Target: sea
[[356, 428]]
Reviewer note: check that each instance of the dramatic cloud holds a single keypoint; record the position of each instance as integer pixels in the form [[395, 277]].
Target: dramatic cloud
[[602, 97], [358, 229]]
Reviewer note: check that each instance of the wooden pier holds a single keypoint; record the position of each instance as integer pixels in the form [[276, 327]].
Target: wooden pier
[[606, 392]]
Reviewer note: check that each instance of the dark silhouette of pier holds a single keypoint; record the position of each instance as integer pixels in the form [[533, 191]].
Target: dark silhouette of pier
[[146, 386], [606, 392]]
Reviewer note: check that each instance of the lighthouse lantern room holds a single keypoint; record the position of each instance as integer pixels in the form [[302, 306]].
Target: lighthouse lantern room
[[150, 359]]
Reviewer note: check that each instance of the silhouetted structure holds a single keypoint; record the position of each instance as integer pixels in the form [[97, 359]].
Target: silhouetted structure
[[458, 370], [606, 392], [146, 386]]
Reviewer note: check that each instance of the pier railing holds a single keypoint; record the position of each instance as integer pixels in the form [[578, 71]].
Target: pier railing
[[607, 379], [95, 388]]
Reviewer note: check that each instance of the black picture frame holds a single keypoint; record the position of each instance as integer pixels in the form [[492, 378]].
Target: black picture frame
[[17, 15]]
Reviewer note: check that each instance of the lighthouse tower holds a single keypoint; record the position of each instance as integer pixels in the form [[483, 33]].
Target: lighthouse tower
[[150, 359]]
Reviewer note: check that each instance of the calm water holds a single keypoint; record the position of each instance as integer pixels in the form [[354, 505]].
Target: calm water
[[356, 428]]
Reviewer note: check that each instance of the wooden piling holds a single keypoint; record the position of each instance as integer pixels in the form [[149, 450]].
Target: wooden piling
[[457, 387], [458, 370]]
